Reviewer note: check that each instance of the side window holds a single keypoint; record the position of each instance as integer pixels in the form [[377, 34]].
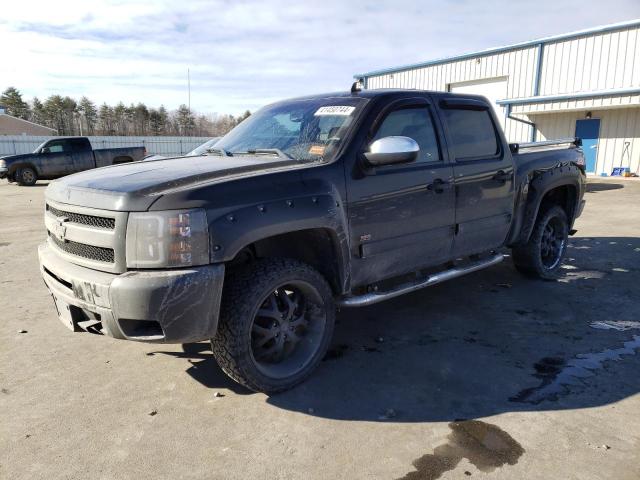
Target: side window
[[472, 133], [57, 146], [79, 145], [415, 123]]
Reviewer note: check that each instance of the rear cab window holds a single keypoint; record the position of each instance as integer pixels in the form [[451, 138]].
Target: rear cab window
[[472, 132], [80, 144]]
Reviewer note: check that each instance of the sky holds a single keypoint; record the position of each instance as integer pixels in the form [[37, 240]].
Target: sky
[[244, 54]]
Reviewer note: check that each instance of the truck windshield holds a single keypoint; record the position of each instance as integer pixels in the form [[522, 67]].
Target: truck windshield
[[202, 149], [305, 130]]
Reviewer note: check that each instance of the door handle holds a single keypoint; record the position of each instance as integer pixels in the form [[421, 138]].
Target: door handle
[[502, 176], [438, 185]]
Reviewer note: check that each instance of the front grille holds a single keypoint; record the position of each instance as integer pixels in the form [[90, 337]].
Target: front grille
[[91, 252], [89, 220]]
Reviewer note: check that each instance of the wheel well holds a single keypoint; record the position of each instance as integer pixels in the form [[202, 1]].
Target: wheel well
[[564, 196], [122, 159], [316, 247], [15, 169]]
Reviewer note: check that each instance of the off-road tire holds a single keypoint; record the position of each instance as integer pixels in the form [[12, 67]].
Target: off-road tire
[[243, 292], [26, 176], [528, 258]]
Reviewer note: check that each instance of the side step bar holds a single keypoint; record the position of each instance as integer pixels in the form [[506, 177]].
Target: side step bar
[[375, 297]]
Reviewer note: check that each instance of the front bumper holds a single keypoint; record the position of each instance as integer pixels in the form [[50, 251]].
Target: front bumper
[[4, 172], [165, 306]]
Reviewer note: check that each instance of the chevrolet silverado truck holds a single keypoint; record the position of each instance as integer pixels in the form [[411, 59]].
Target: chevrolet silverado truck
[[62, 156], [312, 204]]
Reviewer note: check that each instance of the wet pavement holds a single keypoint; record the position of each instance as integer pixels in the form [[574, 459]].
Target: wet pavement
[[492, 375]]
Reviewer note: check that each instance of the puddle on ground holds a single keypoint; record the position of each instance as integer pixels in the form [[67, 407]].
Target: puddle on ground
[[486, 446], [557, 375], [620, 325]]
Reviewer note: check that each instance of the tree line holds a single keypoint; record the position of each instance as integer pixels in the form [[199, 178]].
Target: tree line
[[70, 117]]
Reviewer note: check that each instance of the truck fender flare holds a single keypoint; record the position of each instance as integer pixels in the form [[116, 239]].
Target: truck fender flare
[[536, 189], [234, 231]]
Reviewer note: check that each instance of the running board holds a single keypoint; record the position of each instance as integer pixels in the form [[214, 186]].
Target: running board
[[375, 297]]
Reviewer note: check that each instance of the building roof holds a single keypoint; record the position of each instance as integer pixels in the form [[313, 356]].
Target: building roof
[[26, 123], [515, 46]]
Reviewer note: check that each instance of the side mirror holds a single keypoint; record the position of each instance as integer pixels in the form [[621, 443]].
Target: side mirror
[[392, 150], [44, 150]]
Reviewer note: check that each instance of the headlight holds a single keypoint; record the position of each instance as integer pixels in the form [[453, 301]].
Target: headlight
[[174, 238], [3, 163]]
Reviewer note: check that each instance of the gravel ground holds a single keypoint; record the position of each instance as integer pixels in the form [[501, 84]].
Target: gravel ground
[[492, 375]]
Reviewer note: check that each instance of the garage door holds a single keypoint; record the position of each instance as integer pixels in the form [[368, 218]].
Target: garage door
[[493, 88]]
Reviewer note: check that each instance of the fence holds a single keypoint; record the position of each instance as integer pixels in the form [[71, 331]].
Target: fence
[[15, 144]]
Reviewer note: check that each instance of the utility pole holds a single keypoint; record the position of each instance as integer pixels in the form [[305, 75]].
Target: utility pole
[[189, 88]]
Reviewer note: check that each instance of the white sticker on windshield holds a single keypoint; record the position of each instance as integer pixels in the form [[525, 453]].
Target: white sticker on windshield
[[343, 110]]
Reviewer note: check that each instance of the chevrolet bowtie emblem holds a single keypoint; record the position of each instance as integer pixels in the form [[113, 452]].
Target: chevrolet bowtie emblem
[[59, 228]]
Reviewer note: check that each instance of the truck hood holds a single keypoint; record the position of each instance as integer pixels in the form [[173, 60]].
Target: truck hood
[[135, 186], [12, 158]]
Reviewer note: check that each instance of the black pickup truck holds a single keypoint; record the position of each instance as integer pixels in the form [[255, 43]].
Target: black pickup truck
[[337, 200], [62, 156]]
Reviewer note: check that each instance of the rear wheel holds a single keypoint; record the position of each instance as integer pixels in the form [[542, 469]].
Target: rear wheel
[[276, 322], [26, 176], [542, 255]]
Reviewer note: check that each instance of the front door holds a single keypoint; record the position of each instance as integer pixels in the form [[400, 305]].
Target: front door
[[56, 159], [589, 130], [401, 217]]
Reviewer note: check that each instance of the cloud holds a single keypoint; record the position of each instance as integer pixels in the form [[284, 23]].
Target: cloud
[[246, 53]]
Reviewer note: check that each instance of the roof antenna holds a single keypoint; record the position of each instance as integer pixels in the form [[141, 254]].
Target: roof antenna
[[357, 86]]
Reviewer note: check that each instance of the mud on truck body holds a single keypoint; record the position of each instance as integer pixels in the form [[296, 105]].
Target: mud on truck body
[[336, 200]]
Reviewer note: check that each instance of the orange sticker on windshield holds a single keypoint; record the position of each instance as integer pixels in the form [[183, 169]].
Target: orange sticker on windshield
[[317, 150]]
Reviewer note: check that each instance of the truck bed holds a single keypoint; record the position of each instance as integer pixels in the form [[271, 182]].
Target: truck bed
[[110, 156]]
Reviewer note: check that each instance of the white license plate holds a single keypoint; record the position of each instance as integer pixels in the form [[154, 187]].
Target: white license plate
[[64, 313]]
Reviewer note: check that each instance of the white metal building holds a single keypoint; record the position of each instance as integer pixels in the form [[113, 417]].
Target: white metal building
[[585, 83]]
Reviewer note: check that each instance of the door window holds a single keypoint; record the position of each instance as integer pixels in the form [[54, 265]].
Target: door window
[[472, 133], [415, 123], [57, 146]]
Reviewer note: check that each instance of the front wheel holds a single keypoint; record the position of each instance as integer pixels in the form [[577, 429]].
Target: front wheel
[[276, 322], [26, 176], [542, 255]]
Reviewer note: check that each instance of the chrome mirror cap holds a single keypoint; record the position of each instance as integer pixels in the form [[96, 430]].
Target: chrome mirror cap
[[391, 150]]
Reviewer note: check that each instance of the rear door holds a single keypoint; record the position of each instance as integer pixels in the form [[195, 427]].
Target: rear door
[[401, 216], [483, 173], [82, 154]]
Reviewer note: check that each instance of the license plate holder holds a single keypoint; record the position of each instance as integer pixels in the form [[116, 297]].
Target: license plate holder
[[64, 313]]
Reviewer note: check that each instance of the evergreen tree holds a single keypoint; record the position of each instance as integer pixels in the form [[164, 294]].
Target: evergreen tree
[[120, 119], [244, 116], [186, 122], [54, 110], [70, 117], [156, 122], [38, 114], [106, 119], [89, 114], [141, 118], [12, 100]]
